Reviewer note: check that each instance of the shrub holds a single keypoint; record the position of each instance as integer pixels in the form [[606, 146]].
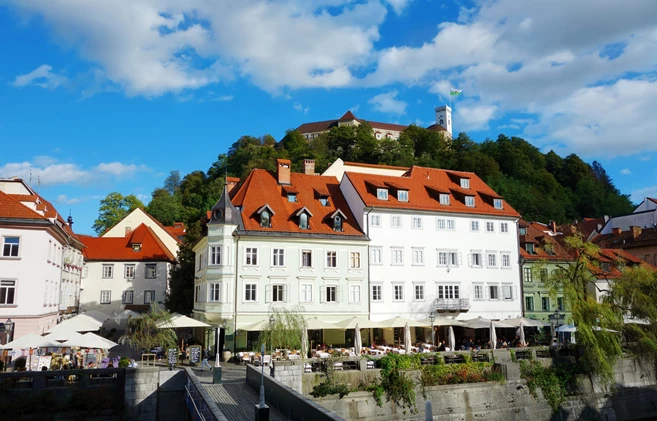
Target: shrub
[[124, 362], [327, 387]]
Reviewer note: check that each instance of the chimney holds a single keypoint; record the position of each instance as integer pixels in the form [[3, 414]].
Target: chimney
[[231, 182], [553, 227], [127, 230], [616, 231], [309, 166], [606, 218], [636, 231], [283, 171]]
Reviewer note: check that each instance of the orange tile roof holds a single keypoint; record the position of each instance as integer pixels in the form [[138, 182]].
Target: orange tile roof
[[113, 249], [385, 167], [178, 230], [14, 209], [420, 181], [614, 257], [261, 188], [536, 235], [162, 226]]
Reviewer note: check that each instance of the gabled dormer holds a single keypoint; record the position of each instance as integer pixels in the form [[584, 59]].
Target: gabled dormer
[[291, 193], [265, 213], [303, 217], [224, 212], [337, 219]]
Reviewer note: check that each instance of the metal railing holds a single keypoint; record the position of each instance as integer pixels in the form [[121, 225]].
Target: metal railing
[[200, 405], [451, 304]]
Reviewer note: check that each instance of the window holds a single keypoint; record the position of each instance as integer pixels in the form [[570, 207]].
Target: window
[[605, 266], [382, 194], [375, 220], [545, 303], [324, 201], [291, 197], [530, 248], [105, 297], [507, 292], [252, 256], [506, 261], [474, 226], [136, 247], [303, 221], [277, 293], [549, 249], [444, 199], [354, 260], [478, 292], [522, 231], [398, 292], [440, 224], [529, 303], [331, 294], [465, 183], [127, 297], [397, 256], [492, 261], [419, 292], [151, 270], [376, 256], [448, 291], [108, 271], [418, 256], [214, 293], [504, 227], [354, 294], [543, 275], [376, 293], [451, 224], [278, 257], [493, 293], [560, 304], [490, 227], [129, 271], [215, 255], [250, 292], [306, 258], [306, 293], [469, 201], [149, 297], [10, 246], [396, 221], [402, 195], [197, 294], [331, 259], [417, 222], [527, 274], [447, 258], [337, 223], [7, 292], [476, 259], [497, 203]]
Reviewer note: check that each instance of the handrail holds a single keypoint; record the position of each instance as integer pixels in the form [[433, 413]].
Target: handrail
[[196, 410]]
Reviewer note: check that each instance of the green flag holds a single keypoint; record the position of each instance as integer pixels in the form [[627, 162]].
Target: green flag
[[454, 92]]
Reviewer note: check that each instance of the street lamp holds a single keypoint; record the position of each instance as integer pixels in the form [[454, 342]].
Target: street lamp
[[271, 335], [432, 318], [9, 327]]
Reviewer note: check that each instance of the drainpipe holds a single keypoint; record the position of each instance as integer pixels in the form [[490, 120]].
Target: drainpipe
[[369, 266], [237, 252], [521, 262]]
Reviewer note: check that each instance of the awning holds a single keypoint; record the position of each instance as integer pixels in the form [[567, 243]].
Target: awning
[[362, 322], [98, 315], [481, 323], [79, 323], [526, 322], [314, 324], [32, 340], [180, 321], [442, 321], [402, 322]]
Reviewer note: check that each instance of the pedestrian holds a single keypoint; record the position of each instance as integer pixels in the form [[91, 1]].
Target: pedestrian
[[206, 355]]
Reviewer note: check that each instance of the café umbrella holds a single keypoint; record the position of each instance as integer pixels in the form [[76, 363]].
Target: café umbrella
[[358, 341], [407, 338], [32, 341], [451, 339]]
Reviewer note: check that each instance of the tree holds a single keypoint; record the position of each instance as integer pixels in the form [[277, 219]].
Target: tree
[[180, 298], [286, 331], [113, 208], [165, 207], [144, 333], [172, 182]]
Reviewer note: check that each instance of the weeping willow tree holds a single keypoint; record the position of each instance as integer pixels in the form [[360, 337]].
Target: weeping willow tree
[[144, 332], [286, 330], [598, 322]]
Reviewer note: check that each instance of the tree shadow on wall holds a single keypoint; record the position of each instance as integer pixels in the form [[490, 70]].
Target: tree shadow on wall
[[625, 403]]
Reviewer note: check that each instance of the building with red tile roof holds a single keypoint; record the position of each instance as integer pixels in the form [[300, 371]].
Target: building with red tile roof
[[40, 261], [169, 236], [178, 230]]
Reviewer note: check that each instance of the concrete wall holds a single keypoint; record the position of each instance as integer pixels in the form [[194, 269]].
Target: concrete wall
[[141, 394]]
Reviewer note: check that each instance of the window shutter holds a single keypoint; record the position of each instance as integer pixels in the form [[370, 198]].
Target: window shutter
[[322, 294], [338, 294], [514, 293], [470, 259], [268, 293], [285, 290], [459, 257], [486, 293], [204, 293]]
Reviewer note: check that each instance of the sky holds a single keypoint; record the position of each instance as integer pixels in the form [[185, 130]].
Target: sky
[[99, 96]]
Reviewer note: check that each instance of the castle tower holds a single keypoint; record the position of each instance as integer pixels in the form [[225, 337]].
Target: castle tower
[[444, 118]]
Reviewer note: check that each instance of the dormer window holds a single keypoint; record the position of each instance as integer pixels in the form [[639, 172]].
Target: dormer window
[[337, 223], [465, 183], [469, 201], [549, 249], [303, 221], [522, 231], [497, 203], [136, 247], [382, 194], [605, 266], [530, 248], [217, 214], [292, 197], [265, 219], [324, 201], [402, 195], [444, 199]]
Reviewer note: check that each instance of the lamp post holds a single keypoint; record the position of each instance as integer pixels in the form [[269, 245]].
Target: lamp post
[[271, 332], [261, 409], [432, 318], [9, 327]]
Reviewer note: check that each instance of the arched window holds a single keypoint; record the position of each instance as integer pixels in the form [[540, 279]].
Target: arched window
[[265, 219], [442, 123], [303, 221], [337, 223]]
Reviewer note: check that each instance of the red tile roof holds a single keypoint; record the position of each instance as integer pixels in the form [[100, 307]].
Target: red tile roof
[[14, 209], [437, 127], [348, 116], [178, 229], [420, 182], [162, 226], [261, 188], [385, 167], [326, 125], [614, 257], [111, 249], [537, 236], [646, 237], [585, 227]]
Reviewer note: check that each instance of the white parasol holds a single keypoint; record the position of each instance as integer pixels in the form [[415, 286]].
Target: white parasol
[[358, 341], [451, 339], [407, 338]]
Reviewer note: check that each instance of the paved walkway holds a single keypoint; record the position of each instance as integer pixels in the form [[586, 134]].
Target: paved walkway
[[234, 397]]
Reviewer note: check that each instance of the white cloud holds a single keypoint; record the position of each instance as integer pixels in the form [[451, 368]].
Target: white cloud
[[41, 76], [388, 103], [398, 5], [626, 171], [509, 126], [62, 198], [640, 194], [645, 158], [47, 171], [473, 116], [300, 108], [223, 98]]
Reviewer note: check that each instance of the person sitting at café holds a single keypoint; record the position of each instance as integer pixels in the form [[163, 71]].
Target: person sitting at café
[[441, 346]]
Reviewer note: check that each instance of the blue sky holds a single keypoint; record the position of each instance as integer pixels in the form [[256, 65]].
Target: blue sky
[[101, 96]]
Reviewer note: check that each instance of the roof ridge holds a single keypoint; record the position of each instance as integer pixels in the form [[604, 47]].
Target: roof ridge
[[17, 202], [160, 225]]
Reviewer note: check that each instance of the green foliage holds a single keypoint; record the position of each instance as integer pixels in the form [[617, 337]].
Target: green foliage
[[399, 387], [327, 387], [556, 382], [144, 333], [180, 298], [113, 208], [471, 372], [285, 332], [513, 355], [165, 207], [124, 362]]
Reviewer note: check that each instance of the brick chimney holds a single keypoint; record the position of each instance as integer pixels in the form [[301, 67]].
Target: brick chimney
[[309, 166], [283, 171], [616, 231], [231, 182], [636, 231], [553, 227]]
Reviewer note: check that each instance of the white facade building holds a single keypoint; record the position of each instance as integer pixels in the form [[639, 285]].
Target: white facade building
[[644, 216], [138, 217], [441, 241], [283, 241]]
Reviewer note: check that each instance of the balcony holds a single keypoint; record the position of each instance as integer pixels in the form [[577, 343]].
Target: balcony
[[450, 304]]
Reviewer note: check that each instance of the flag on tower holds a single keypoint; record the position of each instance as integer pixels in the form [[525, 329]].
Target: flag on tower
[[454, 92]]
